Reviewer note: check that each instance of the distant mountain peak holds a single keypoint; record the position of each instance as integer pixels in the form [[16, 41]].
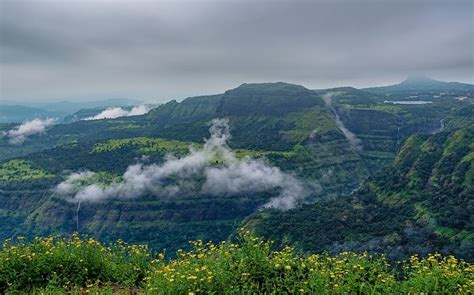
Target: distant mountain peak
[[422, 83], [420, 79]]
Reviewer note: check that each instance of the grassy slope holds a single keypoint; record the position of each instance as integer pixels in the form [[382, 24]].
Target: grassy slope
[[20, 170]]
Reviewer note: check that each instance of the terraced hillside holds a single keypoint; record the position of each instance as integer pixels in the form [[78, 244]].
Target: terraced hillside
[[422, 202]]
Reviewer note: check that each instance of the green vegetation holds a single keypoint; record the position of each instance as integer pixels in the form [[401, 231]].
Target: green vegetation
[[84, 265], [420, 204], [125, 127], [315, 121], [76, 262], [242, 153], [21, 170], [146, 145], [101, 178]]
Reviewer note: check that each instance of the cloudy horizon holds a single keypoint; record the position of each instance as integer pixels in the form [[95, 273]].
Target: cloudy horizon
[[148, 50]]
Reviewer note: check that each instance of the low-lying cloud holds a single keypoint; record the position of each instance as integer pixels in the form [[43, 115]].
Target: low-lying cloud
[[212, 169], [20, 133], [116, 112]]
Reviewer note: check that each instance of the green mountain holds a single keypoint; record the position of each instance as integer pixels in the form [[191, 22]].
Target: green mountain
[[331, 140], [421, 203]]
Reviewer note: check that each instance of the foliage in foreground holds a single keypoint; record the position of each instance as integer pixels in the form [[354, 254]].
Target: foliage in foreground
[[77, 261], [77, 265]]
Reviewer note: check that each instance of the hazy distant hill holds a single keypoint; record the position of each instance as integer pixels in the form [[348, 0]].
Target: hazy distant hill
[[14, 112], [18, 113], [423, 84], [69, 107]]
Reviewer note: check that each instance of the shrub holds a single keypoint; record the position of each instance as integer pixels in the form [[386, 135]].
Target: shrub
[[64, 262], [80, 265], [250, 266]]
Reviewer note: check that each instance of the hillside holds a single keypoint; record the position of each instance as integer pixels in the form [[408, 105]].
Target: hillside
[[110, 146], [419, 204], [82, 114], [330, 140]]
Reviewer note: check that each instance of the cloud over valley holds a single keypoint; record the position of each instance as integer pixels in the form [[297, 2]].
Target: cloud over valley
[[213, 169]]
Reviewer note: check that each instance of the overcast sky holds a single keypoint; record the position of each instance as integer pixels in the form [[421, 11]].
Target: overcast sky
[[82, 50]]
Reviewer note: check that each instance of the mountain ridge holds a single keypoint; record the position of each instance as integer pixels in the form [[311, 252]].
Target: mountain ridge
[[287, 126]]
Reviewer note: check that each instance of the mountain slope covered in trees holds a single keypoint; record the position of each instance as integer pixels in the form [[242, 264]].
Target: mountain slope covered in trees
[[306, 133], [422, 203]]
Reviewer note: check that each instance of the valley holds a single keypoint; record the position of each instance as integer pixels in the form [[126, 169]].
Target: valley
[[236, 147], [291, 127]]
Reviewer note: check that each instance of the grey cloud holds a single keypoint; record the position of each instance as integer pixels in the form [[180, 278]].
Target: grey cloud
[[56, 49]]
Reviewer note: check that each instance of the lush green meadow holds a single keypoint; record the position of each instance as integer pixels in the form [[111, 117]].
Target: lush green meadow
[[79, 265], [20, 170]]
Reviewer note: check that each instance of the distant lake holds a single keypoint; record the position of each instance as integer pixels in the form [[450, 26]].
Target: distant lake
[[408, 101]]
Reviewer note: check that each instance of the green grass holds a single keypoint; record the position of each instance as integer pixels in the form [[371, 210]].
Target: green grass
[[101, 178], [126, 127], [146, 145], [242, 153], [315, 120], [21, 170], [80, 265], [387, 107]]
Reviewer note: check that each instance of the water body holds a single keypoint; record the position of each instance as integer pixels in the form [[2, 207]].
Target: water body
[[408, 101], [351, 137]]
